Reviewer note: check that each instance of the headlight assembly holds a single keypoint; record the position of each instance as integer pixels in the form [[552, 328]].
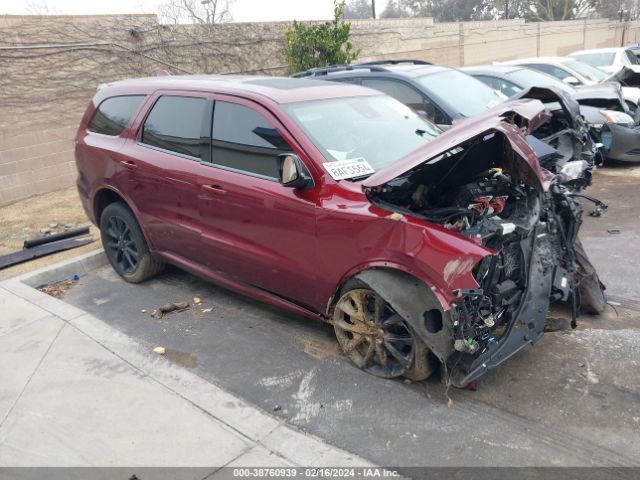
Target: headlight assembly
[[619, 118]]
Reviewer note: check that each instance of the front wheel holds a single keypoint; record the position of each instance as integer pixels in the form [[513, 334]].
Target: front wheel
[[125, 246], [376, 338]]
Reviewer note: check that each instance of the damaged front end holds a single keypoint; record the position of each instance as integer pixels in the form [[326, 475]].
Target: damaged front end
[[489, 188], [564, 144]]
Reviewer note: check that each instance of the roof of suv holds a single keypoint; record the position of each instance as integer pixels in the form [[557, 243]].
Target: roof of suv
[[495, 68], [365, 69], [278, 89], [415, 70], [551, 60]]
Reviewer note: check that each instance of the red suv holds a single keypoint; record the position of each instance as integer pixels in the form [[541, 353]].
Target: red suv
[[339, 203]]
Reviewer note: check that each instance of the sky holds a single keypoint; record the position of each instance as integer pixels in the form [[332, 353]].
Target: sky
[[241, 10]]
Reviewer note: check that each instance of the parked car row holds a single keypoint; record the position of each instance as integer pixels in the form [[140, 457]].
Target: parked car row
[[443, 95], [601, 106], [609, 60], [432, 226]]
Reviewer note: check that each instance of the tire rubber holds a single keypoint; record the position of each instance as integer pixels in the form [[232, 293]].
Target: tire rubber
[[147, 266]]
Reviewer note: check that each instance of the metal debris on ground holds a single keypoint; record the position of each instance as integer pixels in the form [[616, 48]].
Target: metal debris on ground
[[614, 231], [76, 232], [28, 254], [169, 307], [58, 289], [46, 244]]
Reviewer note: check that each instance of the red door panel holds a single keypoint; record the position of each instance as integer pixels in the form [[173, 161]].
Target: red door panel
[[259, 232], [165, 188]]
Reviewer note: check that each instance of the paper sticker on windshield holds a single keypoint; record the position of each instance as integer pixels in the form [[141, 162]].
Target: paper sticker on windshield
[[350, 168]]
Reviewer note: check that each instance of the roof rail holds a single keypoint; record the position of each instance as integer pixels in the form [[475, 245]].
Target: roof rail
[[377, 66], [316, 72], [396, 62]]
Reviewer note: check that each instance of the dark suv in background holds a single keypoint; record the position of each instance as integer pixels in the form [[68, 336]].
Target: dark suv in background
[[445, 95], [425, 88]]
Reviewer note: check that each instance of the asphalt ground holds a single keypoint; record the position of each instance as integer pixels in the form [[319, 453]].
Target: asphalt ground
[[571, 400]]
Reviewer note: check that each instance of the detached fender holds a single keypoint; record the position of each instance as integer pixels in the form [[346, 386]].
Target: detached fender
[[417, 304]]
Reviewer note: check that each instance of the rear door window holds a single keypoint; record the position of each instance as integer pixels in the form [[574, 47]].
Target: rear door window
[[178, 124], [410, 97], [244, 140], [113, 114], [503, 86], [398, 90], [551, 70]]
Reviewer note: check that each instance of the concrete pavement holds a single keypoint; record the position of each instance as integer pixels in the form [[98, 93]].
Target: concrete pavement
[[77, 392]]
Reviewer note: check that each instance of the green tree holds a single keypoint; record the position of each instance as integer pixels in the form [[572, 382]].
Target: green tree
[[319, 45]]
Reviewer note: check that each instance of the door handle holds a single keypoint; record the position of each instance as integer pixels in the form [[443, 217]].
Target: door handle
[[215, 189], [129, 164]]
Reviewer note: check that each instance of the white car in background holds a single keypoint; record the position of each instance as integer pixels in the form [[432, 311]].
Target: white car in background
[[609, 60], [577, 74]]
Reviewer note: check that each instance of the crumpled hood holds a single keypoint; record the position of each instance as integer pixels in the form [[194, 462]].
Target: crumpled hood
[[601, 90], [551, 94], [627, 76], [512, 119]]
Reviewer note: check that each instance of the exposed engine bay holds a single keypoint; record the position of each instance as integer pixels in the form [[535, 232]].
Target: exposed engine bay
[[477, 191]]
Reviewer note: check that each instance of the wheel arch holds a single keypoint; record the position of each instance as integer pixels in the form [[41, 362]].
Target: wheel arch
[[107, 195], [412, 298], [383, 266]]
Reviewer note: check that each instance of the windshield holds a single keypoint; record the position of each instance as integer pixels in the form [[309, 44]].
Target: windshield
[[596, 59], [469, 96], [528, 78], [378, 129], [591, 73]]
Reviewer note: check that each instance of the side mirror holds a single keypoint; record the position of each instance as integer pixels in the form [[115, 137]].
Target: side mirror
[[292, 172], [571, 80]]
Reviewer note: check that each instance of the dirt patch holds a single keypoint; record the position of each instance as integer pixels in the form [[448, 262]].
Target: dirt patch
[[58, 289], [181, 358], [25, 219], [319, 348]]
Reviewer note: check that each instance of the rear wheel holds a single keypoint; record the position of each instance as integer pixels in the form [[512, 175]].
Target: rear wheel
[[376, 338], [125, 246]]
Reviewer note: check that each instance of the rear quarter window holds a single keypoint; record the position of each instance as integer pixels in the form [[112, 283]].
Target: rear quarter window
[[113, 114]]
